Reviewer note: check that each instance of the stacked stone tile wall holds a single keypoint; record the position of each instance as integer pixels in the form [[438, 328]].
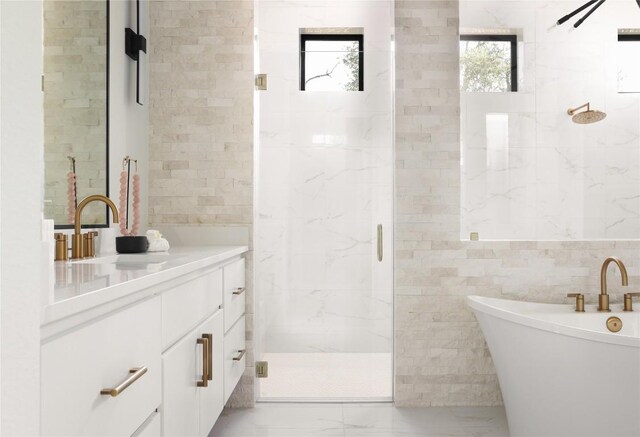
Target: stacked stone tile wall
[[201, 120]]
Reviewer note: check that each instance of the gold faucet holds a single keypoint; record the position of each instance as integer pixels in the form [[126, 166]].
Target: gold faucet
[[77, 251], [603, 298]]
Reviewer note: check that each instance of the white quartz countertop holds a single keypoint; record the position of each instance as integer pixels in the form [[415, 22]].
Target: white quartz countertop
[[82, 285]]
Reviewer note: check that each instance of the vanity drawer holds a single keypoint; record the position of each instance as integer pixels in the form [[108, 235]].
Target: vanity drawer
[[77, 366], [234, 293], [234, 347], [151, 428], [188, 304]]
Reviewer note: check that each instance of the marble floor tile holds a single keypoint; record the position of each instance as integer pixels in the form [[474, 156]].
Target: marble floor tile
[[355, 420]]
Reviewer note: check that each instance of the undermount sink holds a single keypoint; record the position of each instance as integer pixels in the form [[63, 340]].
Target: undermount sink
[[130, 259]]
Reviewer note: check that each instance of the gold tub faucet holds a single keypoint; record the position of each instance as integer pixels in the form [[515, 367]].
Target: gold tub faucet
[[603, 298], [77, 249]]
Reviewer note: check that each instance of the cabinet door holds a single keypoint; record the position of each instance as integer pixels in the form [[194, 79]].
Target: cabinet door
[[189, 408], [181, 369], [211, 397]]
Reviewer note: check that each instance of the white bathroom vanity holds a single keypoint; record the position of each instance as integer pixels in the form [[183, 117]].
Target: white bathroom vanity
[[148, 344]]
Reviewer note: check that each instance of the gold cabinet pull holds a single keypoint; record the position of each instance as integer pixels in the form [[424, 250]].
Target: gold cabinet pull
[[628, 300], [136, 373], [239, 291], [579, 301], [380, 248], [209, 337], [241, 353], [204, 341]]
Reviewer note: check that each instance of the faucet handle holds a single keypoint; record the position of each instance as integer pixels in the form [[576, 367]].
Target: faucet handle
[[62, 253], [628, 300], [89, 247], [579, 301]]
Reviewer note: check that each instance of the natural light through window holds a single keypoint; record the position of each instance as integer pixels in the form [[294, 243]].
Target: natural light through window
[[488, 63], [331, 63]]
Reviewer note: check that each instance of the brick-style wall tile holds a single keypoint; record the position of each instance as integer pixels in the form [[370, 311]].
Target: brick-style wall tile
[[201, 119]]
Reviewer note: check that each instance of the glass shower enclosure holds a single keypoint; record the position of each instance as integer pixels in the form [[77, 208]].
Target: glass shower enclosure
[[324, 199]]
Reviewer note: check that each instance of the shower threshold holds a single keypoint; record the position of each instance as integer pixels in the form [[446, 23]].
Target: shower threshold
[[327, 377]]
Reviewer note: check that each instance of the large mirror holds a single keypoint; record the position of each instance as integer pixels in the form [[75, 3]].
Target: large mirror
[[76, 73]]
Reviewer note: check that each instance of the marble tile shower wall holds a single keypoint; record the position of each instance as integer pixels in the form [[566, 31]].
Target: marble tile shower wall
[[441, 357], [201, 119], [325, 181], [528, 171]]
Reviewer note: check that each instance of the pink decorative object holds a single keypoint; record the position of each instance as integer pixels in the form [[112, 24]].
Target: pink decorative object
[[124, 199], [71, 197]]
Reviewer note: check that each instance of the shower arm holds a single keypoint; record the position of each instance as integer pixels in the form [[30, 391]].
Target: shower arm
[[571, 111]]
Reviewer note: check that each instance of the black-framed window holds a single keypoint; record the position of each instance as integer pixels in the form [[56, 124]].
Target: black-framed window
[[628, 37], [488, 63], [333, 62], [628, 67]]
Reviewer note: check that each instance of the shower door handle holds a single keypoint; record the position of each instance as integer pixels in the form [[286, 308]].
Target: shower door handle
[[380, 248]]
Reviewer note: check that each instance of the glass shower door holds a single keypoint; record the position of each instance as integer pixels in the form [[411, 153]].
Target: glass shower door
[[324, 196]]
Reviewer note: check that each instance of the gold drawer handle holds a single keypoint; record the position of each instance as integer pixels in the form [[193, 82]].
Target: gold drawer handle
[[136, 373], [239, 291], [210, 358], [380, 248], [204, 341], [240, 355]]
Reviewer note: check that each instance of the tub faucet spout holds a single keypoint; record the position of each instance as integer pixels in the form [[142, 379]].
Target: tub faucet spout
[[603, 298]]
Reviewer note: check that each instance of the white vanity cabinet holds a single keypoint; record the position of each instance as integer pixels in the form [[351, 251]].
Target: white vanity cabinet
[[166, 355]]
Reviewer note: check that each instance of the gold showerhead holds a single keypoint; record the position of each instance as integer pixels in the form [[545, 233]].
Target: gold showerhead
[[586, 117]]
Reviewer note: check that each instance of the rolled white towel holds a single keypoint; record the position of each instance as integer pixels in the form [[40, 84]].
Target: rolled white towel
[[156, 242]]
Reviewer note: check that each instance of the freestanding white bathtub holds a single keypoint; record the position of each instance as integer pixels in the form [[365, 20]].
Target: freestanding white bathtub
[[564, 373]]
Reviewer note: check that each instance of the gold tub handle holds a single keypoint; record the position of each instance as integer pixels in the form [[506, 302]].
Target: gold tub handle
[[136, 373], [628, 300]]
